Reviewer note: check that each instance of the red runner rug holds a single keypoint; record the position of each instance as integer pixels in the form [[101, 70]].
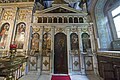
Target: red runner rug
[[60, 77]]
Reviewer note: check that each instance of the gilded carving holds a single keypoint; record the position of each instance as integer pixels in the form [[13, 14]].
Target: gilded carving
[[24, 14], [84, 29], [36, 29], [74, 29], [8, 14], [47, 29], [60, 29]]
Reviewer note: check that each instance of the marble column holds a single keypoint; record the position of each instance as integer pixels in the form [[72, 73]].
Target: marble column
[[68, 50], [52, 50]]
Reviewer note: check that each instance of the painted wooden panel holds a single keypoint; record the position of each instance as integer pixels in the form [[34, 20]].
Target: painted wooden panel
[[75, 63], [20, 35], [46, 64], [4, 35]]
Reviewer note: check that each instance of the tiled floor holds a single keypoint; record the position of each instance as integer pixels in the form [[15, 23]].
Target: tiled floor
[[36, 76]]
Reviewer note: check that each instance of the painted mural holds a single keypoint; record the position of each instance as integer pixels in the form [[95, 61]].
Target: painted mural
[[46, 43], [20, 35], [3, 35], [60, 57], [35, 42]]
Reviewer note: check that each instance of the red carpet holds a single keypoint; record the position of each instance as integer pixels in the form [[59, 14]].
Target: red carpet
[[60, 77]]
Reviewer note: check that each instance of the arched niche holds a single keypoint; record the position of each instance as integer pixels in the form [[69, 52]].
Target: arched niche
[[39, 19], [70, 20], [86, 41], [65, 20], [75, 20], [46, 43], [44, 19], [60, 20], [49, 20], [20, 35], [81, 20], [55, 20], [4, 35], [35, 42]]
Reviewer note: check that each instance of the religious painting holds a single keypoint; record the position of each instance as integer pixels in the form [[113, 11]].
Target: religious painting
[[74, 43], [4, 35], [60, 57], [35, 42], [86, 42], [20, 35], [46, 43], [88, 63]]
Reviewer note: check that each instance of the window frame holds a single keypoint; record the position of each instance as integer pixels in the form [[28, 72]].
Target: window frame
[[111, 21]]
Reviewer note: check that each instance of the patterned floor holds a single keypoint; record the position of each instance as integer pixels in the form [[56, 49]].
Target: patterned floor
[[36, 76]]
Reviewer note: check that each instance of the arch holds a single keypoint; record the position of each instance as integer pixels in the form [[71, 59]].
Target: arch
[[35, 42], [4, 35], [20, 35], [101, 25]]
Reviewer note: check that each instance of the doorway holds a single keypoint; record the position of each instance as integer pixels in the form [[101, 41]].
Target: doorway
[[60, 56]]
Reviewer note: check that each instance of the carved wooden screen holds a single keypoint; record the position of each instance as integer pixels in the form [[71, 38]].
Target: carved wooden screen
[[4, 35], [35, 42], [20, 35]]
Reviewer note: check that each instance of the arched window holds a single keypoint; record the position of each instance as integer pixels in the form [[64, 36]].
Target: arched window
[[4, 35]]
